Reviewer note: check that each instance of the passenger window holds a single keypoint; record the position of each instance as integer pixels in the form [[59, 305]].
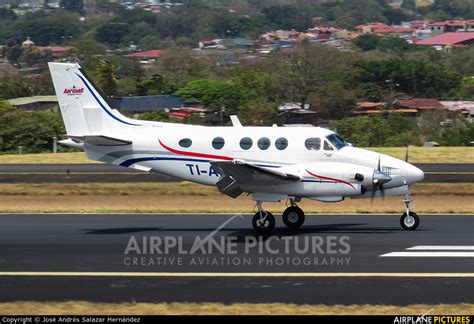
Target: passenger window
[[218, 143], [246, 143], [327, 147], [313, 144], [281, 143], [263, 143], [185, 142]]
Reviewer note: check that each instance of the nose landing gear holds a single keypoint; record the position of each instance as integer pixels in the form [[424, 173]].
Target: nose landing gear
[[263, 221], [409, 219]]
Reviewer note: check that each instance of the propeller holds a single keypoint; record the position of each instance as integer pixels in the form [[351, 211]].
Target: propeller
[[378, 180]]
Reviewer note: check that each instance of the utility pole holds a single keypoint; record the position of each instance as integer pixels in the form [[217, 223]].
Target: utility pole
[[55, 145]]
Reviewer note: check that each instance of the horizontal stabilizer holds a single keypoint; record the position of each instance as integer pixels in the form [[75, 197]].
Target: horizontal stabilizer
[[99, 140]]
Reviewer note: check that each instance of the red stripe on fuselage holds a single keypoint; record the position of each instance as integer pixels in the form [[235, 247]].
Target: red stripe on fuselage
[[195, 154], [332, 179]]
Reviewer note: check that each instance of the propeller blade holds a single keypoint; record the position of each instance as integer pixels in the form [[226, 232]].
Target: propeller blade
[[375, 187]]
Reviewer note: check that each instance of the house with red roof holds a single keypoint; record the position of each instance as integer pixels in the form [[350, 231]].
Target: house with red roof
[[448, 26], [369, 27], [460, 39], [394, 31], [145, 57], [57, 51]]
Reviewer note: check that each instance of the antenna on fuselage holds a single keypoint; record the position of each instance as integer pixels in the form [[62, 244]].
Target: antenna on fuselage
[[235, 121]]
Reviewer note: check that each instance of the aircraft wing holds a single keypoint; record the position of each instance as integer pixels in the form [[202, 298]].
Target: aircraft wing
[[235, 173]]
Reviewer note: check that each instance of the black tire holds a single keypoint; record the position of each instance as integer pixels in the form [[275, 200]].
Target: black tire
[[293, 217], [267, 226], [410, 224]]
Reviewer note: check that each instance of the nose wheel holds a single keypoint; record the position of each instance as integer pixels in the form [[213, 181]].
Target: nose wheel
[[409, 219], [293, 217]]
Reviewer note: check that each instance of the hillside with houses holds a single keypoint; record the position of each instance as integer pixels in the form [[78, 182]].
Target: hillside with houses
[[405, 64]]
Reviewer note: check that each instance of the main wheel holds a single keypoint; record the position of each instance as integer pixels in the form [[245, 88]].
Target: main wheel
[[293, 217], [410, 222], [263, 226]]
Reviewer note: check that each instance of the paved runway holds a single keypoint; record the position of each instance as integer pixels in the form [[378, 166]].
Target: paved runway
[[340, 259], [80, 173]]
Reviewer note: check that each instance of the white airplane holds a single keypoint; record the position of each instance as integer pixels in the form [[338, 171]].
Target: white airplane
[[270, 163]]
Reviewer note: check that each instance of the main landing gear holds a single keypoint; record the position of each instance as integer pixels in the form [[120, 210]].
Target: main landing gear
[[409, 219], [264, 221]]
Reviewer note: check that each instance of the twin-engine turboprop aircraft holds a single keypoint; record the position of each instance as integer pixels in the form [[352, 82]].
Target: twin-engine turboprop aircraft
[[270, 163]]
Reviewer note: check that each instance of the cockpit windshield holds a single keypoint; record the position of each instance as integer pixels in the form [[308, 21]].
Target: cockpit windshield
[[337, 141]]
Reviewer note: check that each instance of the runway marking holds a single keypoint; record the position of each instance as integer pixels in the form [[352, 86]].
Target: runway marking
[[437, 254], [237, 274], [434, 251], [450, 172], [443, 248]]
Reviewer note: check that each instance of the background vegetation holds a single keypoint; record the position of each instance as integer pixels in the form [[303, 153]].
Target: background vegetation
[[331, 80]]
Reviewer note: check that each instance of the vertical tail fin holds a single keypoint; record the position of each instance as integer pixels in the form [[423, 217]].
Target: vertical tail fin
[[84, 109]]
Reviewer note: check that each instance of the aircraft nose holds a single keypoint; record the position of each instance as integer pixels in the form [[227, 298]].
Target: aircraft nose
[[414, 174]]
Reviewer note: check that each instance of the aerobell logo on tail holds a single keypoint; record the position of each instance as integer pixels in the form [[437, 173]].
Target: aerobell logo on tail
[[73, 91]]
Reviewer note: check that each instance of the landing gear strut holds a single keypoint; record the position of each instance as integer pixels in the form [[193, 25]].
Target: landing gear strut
[[293, 216], [409, 219], [263, 221]]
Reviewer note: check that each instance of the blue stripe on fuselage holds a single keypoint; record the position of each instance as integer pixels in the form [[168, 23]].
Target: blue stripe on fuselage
[[128, 163]]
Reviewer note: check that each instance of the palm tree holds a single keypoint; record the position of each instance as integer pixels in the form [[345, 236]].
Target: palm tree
[[108, 79]]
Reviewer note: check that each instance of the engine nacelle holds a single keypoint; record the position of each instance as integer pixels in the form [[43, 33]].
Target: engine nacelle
[[351, 179]]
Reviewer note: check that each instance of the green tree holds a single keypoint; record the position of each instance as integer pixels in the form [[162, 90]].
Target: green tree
[[222, 97], [434, 123], [333, 101], [394, 45], [14, 53], [179, 66], [302, 71], [389, 129], [112, 33], [259, 112], [72, 5], [137, 32], [418, 78], [466, 91], [14, 88], [460, 136], [34, 132], [367, 42], [150, 42], [155, 85], [285, 17], [7, 14], [88, 46], [461, 60], [108, 78], [156, 115], [49, 29]]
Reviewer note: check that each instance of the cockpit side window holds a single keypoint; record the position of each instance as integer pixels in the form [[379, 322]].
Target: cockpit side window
[[313, 144], [327, 147], [337, 141]]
